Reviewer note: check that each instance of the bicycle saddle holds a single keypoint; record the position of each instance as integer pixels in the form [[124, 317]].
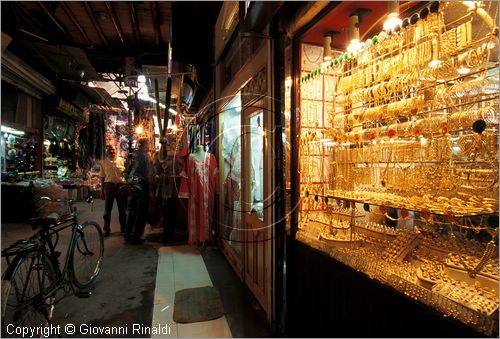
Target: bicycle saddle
[[45, 221]]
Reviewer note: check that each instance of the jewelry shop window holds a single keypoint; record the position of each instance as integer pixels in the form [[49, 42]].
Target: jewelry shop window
[[398, 157]]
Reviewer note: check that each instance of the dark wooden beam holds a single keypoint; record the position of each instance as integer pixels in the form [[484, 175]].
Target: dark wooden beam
[[116, 23], [94, 22], [156, 23], [135, 25], [71, 17], [53, 18]]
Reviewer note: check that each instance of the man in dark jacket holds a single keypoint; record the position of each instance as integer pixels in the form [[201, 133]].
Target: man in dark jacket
[[139, 180]]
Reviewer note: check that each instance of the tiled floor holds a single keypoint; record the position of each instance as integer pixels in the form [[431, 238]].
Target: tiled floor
[[245, 316], [181, 267], [127, 286]]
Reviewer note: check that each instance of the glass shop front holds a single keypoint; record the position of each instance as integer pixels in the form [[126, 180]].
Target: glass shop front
[[395, 169]]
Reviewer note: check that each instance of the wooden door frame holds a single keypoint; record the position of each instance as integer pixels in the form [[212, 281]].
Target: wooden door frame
[[261, 60]]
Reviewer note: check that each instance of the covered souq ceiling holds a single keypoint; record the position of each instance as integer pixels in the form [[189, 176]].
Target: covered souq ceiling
[[106, 31], [84, 41]]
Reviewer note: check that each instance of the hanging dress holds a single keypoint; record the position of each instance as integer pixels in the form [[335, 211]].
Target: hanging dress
[[203, 178]]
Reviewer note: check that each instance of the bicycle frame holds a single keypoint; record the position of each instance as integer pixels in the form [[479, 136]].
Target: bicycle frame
[[50, 248], [41, 251]]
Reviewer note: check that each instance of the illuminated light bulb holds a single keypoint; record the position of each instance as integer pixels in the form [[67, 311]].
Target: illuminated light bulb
[[392, 22], [139, 130], [355, 46], [141, 79]]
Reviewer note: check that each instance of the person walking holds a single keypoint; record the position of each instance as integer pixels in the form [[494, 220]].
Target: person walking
[[167, 170], [139, 181], [113, 187]]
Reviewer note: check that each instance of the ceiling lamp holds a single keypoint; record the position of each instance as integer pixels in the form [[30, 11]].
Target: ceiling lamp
[[139, 130], [11, 130], [327, 44], [393, 22], [355, 46], [327, 47]]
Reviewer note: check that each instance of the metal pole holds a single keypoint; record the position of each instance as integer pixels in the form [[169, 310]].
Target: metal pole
[[158, 111], [167, 105]]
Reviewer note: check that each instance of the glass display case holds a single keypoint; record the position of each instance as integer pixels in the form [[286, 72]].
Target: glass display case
[[398, 159], [231, 153], [18, 153]]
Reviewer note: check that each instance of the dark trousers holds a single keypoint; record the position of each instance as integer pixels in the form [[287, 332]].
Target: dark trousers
[[111, 192], [138, 203], [168, 210]]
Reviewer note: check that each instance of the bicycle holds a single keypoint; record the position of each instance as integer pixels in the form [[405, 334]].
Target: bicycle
[[34, 275]]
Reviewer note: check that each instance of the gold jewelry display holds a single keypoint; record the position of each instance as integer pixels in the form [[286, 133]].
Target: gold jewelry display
[[398, 143]]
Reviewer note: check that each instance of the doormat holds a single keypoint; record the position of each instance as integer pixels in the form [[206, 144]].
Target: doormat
[[192, 305]]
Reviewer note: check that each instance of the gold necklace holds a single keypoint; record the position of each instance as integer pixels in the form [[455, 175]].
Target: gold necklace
[[488, 252]]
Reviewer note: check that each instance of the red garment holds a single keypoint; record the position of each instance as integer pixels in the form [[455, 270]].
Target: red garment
[[203, 179], [183, 154], [184, 187]]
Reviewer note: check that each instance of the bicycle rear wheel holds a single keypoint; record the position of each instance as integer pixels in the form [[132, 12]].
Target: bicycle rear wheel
[[87, 254], [25, 293]]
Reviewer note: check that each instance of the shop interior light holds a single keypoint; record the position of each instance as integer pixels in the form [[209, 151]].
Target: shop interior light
[[139, 129], [141, 79], [172, 111], [10, 130], [393, 19], [327, 47], [355, 46], [392, 22]]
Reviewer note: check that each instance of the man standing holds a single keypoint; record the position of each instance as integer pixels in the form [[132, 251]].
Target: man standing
[[139, 180], [168, 169], [113, 187]]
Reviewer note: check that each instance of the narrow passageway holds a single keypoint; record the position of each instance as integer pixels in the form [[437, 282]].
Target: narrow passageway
[[130, 290]]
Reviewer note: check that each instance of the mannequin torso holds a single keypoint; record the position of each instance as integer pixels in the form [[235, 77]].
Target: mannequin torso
[[200, 153]]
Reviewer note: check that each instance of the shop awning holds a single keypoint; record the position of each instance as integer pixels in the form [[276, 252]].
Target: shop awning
[[21, 75]]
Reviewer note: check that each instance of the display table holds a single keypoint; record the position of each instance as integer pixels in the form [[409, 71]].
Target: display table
[[331, 299]]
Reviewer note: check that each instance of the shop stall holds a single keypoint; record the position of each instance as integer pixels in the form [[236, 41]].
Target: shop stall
[[396, 171]]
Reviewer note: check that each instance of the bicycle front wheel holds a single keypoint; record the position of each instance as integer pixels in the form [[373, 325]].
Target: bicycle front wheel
[[26, 286], [87, 254]]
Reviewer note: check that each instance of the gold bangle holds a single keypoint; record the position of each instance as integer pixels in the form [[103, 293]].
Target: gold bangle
[[472, 58]]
